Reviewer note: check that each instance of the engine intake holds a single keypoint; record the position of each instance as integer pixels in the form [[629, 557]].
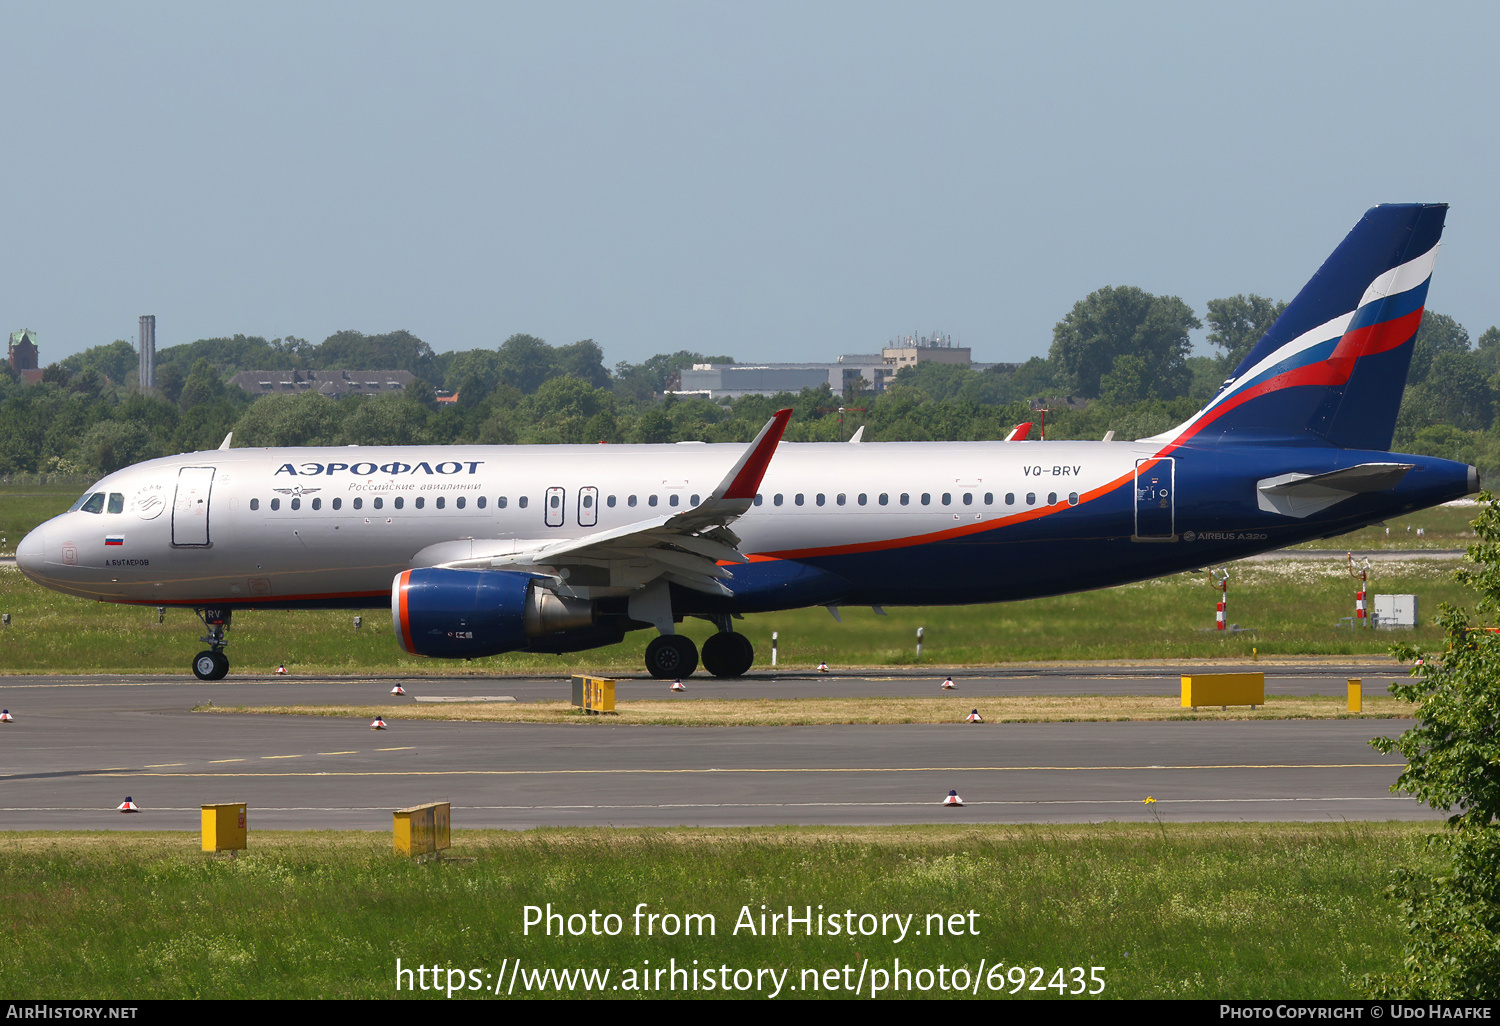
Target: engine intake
[[464, 614]]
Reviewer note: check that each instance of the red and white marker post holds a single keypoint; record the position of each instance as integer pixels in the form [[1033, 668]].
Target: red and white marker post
[[1221, 582], [1360, 572]]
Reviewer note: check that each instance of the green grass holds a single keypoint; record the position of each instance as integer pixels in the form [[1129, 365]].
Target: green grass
[[1293, 606], [751, 711], [27, 502], [1167, 910]]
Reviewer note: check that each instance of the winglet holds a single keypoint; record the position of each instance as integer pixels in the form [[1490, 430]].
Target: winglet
[[744, 478]]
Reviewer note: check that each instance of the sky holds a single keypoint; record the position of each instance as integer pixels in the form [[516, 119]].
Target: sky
[[770, 181]]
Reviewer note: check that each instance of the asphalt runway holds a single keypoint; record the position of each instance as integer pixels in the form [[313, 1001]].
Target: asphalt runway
[[80, 745]]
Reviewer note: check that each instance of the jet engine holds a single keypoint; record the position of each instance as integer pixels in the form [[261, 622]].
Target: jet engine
[[464, 614]]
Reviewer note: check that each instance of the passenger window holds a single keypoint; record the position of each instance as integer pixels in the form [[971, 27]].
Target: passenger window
[[441, 502], [797, 498], [400, 501], [610, 502], [255, 504], [1052, 498], [555, 501], [863, 498], [95, 503], [297, 503], [630, 501], [672, 499], [420, 501], [379, 502], [1072, 498], [947, 498], [459, 502], [927, 498], [482, 501], [695, 500], [276, 504], [588, 501], [841, 499], [989, 498], [338, 503], [759, 499], [885, 498], [651, 500], [358, 503], [1010, 498], [116, 502], [500, 502], [777, 500], [905, 499], [317, 504], [1031, 498], [521, 502], [968, 498], [820, 500]]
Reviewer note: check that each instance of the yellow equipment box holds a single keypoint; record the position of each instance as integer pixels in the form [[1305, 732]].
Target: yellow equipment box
[[224, 827], [422, 829], [1223, 689], [594, 694]]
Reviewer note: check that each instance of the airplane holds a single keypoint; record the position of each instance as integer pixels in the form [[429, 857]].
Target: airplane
[[481, 550]]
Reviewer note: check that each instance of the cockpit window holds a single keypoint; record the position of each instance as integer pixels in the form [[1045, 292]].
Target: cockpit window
[[85, 497], [95, 503], [116, 502]]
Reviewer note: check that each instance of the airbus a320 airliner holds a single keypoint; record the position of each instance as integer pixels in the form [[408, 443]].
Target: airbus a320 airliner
[[488, 549]]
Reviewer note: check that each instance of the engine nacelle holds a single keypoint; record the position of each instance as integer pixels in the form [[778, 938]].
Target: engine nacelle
[[463, 614]]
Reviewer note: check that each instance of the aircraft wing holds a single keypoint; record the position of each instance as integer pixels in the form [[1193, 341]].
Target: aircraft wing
[[684, 548]]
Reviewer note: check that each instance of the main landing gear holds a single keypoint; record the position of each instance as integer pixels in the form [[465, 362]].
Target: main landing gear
[[725, 654], [728, 654], [212, 664]]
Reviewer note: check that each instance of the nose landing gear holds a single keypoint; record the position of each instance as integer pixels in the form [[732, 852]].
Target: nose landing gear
[[212, 664]]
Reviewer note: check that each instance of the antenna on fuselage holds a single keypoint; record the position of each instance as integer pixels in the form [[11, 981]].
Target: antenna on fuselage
[[225, 444]]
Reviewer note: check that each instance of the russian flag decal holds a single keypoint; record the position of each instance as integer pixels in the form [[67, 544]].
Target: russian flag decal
[[114, 539]]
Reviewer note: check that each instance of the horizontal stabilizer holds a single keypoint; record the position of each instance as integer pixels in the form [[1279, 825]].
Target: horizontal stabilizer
[[1301, 495]]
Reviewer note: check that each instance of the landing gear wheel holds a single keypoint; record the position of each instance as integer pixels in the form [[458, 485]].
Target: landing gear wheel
[[727, 654], [671, 656], [210, 665]]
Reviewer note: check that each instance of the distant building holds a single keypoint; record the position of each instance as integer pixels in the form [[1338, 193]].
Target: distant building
[[146, 379], [332, 383], [859, 372], [22, 355]]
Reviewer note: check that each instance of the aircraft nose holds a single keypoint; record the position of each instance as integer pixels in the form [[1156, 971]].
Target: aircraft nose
[[31, 553]]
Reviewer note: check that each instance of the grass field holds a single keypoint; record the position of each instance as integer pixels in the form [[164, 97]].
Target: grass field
[[793, 712], [1294, 608], [1164, 911]]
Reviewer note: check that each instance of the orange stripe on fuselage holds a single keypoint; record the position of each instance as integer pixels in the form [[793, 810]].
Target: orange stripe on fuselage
[[952, 532]]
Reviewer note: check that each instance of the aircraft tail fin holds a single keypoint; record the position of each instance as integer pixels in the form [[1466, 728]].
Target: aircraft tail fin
[[1332, 368]]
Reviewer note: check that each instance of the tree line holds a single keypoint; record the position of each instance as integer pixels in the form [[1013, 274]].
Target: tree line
[[1121, 360]]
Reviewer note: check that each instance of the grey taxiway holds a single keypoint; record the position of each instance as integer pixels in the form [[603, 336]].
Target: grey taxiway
[[79, 746]]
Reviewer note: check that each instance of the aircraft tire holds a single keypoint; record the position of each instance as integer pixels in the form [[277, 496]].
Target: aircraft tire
[[728, 654], [671, 656], [221, 666], [205, 666]]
